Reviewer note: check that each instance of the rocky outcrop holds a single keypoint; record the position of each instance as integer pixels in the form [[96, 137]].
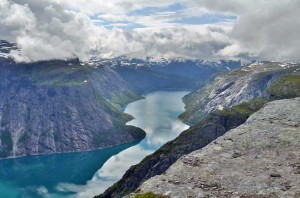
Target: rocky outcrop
[[257, 159], [240, 85], [62, 106], [198, 136]]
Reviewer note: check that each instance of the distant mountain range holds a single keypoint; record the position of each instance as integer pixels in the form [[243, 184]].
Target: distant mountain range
[[65, 106], [150, 75], [161, 62], [153, 74]]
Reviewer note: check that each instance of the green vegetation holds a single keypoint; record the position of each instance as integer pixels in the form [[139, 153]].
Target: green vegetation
[[286, 87], [191, 118], [59, 81], [245, 109], [64, 75], [118, 99], [150, 195], [136, 132]]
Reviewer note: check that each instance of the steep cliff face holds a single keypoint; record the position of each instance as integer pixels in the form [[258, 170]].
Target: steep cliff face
[[257, 159], [62, 106], [240, 85]]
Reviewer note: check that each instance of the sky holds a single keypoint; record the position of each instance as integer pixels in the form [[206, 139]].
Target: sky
[[195, 29]]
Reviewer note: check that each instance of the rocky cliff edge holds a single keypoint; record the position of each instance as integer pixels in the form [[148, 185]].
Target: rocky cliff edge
[[260, 158]]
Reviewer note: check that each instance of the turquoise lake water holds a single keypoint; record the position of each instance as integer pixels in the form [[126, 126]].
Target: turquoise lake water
[[85, 174]]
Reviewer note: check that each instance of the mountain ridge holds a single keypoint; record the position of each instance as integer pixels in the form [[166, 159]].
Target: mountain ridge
[[147, 76], [240, 85]]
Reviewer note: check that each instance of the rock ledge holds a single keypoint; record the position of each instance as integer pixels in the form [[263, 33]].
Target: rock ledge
[[260, 158]]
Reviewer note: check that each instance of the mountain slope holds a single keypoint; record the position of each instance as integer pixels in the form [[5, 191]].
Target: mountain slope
[[241, 85], [257, 159], [148, 75], [62, 106]]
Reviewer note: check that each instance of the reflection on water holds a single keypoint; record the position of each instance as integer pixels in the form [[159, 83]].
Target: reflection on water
[[38, 176], [157, 115], [69, 175]]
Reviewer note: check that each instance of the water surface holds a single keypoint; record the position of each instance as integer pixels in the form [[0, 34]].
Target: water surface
[[158, 115], [85, 174], [40, 176]]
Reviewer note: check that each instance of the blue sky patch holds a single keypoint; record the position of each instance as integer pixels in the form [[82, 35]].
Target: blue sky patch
[[205, 19]]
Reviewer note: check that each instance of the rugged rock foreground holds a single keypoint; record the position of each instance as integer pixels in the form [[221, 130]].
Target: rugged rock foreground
[[260, 158]]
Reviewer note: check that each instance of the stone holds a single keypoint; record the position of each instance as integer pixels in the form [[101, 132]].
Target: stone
[[253, 139]]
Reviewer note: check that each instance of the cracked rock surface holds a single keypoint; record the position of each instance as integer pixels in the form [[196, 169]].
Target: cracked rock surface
[[260, 158]]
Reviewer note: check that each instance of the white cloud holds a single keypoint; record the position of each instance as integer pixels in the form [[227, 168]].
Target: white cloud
[[159, 19], [93, 7], [118, 25], [266, 29], [15, 18], [43, 30], [173, 41]]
